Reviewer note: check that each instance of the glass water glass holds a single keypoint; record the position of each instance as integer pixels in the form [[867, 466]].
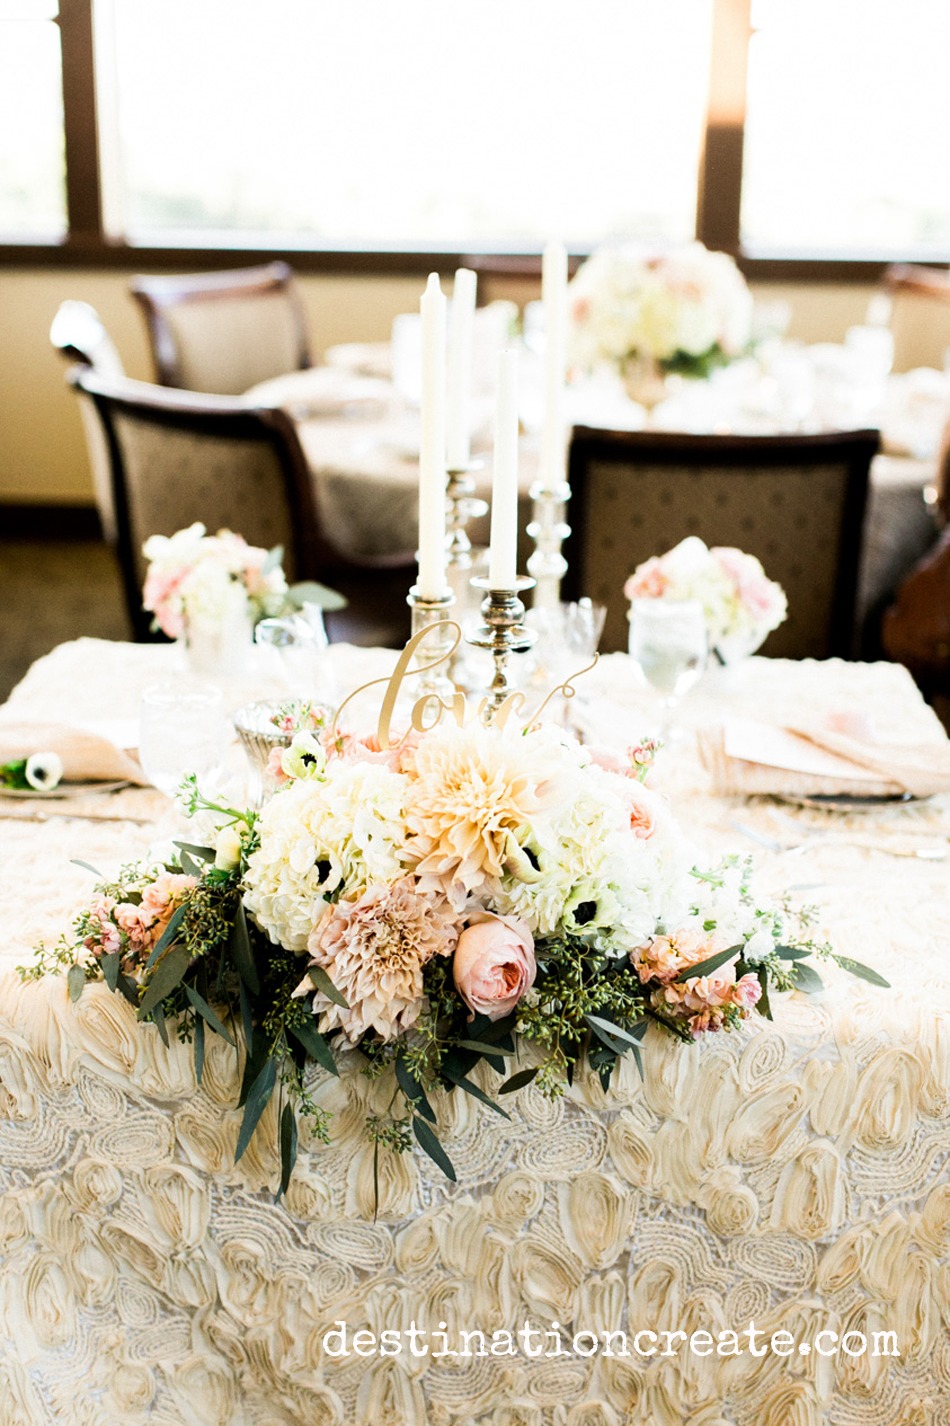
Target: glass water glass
[[301, 643], [181, 731], [668, 640]]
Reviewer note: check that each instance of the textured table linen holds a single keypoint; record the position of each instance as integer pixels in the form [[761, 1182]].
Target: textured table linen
[[793, 1173]]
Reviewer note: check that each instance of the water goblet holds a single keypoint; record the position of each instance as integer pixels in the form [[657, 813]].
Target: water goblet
[[181, 730], [301, 643], [668, 640]]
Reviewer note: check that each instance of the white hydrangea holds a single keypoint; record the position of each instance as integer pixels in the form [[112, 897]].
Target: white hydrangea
[[317, 837]]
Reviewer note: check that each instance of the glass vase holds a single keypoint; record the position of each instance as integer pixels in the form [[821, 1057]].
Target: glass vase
[[218, 647]]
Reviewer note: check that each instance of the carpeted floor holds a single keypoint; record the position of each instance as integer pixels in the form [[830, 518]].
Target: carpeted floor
[[51, 591]]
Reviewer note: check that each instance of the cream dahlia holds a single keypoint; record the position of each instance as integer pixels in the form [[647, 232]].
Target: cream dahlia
[[374, 950]]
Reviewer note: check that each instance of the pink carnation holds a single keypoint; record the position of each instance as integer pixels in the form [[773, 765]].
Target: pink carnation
[[647, 582]]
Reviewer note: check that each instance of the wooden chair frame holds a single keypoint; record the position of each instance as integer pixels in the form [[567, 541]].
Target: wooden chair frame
[[226, 417], [764, 453], [158, 295]]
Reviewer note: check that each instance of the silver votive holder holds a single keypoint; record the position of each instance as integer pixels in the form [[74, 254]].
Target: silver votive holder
[[502, 632], [259, 738], [436, 649]]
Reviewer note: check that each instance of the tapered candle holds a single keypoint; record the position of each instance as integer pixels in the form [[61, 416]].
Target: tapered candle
[[554, 299], [502, 565], [459, 386], [432, 581]]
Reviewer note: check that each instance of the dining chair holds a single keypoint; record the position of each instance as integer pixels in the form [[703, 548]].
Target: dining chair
[[182, 456], [797, 502], [79, 334], [919, 315], [223, 332]]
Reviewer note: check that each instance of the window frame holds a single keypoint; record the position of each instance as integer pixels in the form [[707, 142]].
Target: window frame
[[88, 244]]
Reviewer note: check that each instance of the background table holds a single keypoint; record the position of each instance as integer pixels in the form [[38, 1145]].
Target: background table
[[361, 444], [793, 1173]]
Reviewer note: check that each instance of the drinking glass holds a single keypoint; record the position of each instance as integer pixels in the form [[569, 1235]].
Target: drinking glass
[[668, 640], [181, 730], [301, 643]]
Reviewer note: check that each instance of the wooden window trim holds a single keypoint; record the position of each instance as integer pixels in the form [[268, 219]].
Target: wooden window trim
[[87, 244]]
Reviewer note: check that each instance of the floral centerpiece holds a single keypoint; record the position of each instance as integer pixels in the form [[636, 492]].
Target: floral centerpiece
[[459, 902], [687, 311], [741, 604], [211, 591]]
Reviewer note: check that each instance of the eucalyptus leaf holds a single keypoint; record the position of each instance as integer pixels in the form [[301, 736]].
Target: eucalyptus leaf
[[308, 591], [322, 982], [165, 977], [862, 971], [199, 1048], [74, 861], [413, 1090], [518, 1081], [627, 1037], [710, 964], [206, 1013], [479, 1094], [792, 953], [764, 1007], [189, 864], [806, 978], [110, 969], [76, 981], [129, 989], [433, 1148], [201, 854], [158, 1020], [481, 1048], [257, 1101], [288, 1146], [247, 1018], [168, 936], [316, 1046], [242, 951]]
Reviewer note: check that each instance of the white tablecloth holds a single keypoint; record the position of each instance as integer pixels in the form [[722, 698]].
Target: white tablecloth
[[794, 1174]]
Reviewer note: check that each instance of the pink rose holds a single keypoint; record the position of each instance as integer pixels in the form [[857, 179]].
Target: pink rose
[[494, 964]]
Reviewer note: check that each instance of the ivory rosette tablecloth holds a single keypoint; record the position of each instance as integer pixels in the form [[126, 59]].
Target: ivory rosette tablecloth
[[793, 1174]]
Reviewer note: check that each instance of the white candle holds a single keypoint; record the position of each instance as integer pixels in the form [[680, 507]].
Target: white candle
[[431, 581], [461, 337], [554, 298], [502, 566]]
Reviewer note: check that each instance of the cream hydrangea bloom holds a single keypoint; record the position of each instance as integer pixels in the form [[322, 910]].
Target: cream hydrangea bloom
[[317, 837]]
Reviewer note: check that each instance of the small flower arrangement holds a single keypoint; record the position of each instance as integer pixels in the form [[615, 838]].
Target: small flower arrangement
[[459, 898], [742, 605], [197, 577], [40, 772], [688, 310]]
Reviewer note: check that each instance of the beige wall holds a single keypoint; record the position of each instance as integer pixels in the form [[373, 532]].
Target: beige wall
[[42, 452]]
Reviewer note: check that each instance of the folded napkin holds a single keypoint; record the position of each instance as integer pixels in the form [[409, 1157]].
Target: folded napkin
[[87, 755], [804, 759]]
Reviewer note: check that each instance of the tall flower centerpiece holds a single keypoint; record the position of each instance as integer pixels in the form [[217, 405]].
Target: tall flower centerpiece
[[211, 590], [456, 904], [741, 604], [686, 311]]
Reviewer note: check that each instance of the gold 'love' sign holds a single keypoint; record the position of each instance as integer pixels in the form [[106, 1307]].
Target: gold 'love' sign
[[429, 710]]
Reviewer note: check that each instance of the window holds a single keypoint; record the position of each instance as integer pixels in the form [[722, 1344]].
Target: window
[[848, 112], [803, 135], [32, 165], [382, 125]]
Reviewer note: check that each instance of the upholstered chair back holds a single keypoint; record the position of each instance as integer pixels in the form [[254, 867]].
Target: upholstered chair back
[[796, 502], [223, 332]]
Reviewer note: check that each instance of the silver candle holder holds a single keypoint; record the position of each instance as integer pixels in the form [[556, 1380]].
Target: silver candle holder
[[462, 506], [436, 614], [549, 530], [503, 632]]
